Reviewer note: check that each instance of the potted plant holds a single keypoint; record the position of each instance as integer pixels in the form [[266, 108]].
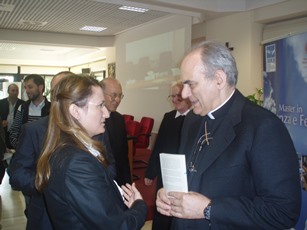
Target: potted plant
[[257, 97]]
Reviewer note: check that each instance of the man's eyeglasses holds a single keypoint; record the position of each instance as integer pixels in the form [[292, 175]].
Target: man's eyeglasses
[[173, 96], [113, 96]]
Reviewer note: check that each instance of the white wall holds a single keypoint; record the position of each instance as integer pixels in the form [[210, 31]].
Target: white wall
[[283, 29], [245, 37], [247, 30], [30, 69], [144, 76]]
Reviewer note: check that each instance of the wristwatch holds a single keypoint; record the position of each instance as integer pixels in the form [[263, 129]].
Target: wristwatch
[[207, 211]]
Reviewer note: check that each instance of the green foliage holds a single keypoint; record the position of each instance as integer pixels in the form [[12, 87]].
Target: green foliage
[[257, 97]]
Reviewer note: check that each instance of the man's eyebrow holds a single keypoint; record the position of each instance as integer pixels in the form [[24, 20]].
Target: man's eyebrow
[[186, 82]]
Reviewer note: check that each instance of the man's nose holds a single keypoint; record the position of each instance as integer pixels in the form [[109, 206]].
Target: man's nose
[[186, 92]]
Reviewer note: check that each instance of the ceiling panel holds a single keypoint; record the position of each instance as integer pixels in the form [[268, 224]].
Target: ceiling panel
[[66, 17]]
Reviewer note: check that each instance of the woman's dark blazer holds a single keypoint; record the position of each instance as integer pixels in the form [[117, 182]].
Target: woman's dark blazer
[[81, 195], [23, 170]]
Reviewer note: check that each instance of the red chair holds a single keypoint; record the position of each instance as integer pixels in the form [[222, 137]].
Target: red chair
[[143, 138], [133, 130], [145, 132], [128, 117]]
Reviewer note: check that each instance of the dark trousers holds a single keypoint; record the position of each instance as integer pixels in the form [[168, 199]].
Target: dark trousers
[[161, 222]]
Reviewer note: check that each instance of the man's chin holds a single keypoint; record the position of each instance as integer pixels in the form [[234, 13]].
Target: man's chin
[[197, 111]]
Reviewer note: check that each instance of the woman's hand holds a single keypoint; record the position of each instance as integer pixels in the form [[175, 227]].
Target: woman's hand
[[131, 194]]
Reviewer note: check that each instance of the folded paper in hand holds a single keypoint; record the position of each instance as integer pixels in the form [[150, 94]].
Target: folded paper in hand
[[174, 172]]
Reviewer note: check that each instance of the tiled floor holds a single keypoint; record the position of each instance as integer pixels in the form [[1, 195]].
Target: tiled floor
[[12, 207]]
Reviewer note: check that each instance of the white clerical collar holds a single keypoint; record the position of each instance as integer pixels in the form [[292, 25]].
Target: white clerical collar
[[181, 114], [210, 115]]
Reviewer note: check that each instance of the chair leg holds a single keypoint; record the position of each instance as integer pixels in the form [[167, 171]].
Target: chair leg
[[140, 161]]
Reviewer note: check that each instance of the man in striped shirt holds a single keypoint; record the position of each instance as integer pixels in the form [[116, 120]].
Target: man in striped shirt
[[35, 108]]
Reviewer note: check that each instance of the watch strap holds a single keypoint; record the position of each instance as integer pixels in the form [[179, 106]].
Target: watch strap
[[207, 211]]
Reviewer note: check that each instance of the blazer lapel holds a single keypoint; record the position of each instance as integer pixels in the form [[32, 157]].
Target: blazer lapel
[[189, 132], [222, 137]]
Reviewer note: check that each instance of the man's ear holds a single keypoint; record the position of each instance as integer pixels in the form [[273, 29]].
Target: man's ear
[[221, 79], [74, 111], [41, 87]]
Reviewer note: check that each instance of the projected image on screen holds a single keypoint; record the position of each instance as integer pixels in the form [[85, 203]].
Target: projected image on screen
[[153, 61]]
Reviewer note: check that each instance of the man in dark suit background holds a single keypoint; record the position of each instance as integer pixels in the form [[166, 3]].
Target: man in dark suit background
[[33, 109], [116, 129], [167, 141], [8, 109], [242, 167], [23, 167]]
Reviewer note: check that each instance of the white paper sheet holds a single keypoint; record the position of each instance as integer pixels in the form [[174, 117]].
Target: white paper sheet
[[174, 172]]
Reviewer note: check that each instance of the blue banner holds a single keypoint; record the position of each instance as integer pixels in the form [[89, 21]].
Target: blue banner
[[285, 94]]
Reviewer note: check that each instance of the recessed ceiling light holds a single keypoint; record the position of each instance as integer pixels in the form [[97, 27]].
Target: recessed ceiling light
[[31, 23], [6, 7], [135, 9], [47, 50], [93, 28]]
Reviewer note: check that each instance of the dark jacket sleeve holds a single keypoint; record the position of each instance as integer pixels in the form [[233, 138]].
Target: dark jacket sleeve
[[23, 164], [4, 109], [2, 141], [86, 180]]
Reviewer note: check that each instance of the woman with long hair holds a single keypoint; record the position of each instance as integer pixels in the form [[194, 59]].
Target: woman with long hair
[[72, 170]]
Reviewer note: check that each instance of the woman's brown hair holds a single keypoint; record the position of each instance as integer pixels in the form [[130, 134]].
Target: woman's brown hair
[[64, 127]]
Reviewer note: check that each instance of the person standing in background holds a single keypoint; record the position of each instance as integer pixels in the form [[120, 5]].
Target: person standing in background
[[116, 129], [35, 108], [23, 166], [242, 167], [8, 109], [2, 166], [2, 151], [168, 140]]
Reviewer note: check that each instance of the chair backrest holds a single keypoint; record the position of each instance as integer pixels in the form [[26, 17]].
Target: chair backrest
[[133, 128], [145, 132], [128, 117]]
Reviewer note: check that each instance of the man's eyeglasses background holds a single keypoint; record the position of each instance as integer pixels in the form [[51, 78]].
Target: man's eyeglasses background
[[113, 96], [173, 96]]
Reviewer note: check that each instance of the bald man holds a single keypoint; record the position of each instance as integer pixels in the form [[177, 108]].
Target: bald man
[[116, 129]]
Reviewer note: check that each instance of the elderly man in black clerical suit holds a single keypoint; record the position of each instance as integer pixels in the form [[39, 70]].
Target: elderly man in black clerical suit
[[242, 167], [167, 141], [116, 129]]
